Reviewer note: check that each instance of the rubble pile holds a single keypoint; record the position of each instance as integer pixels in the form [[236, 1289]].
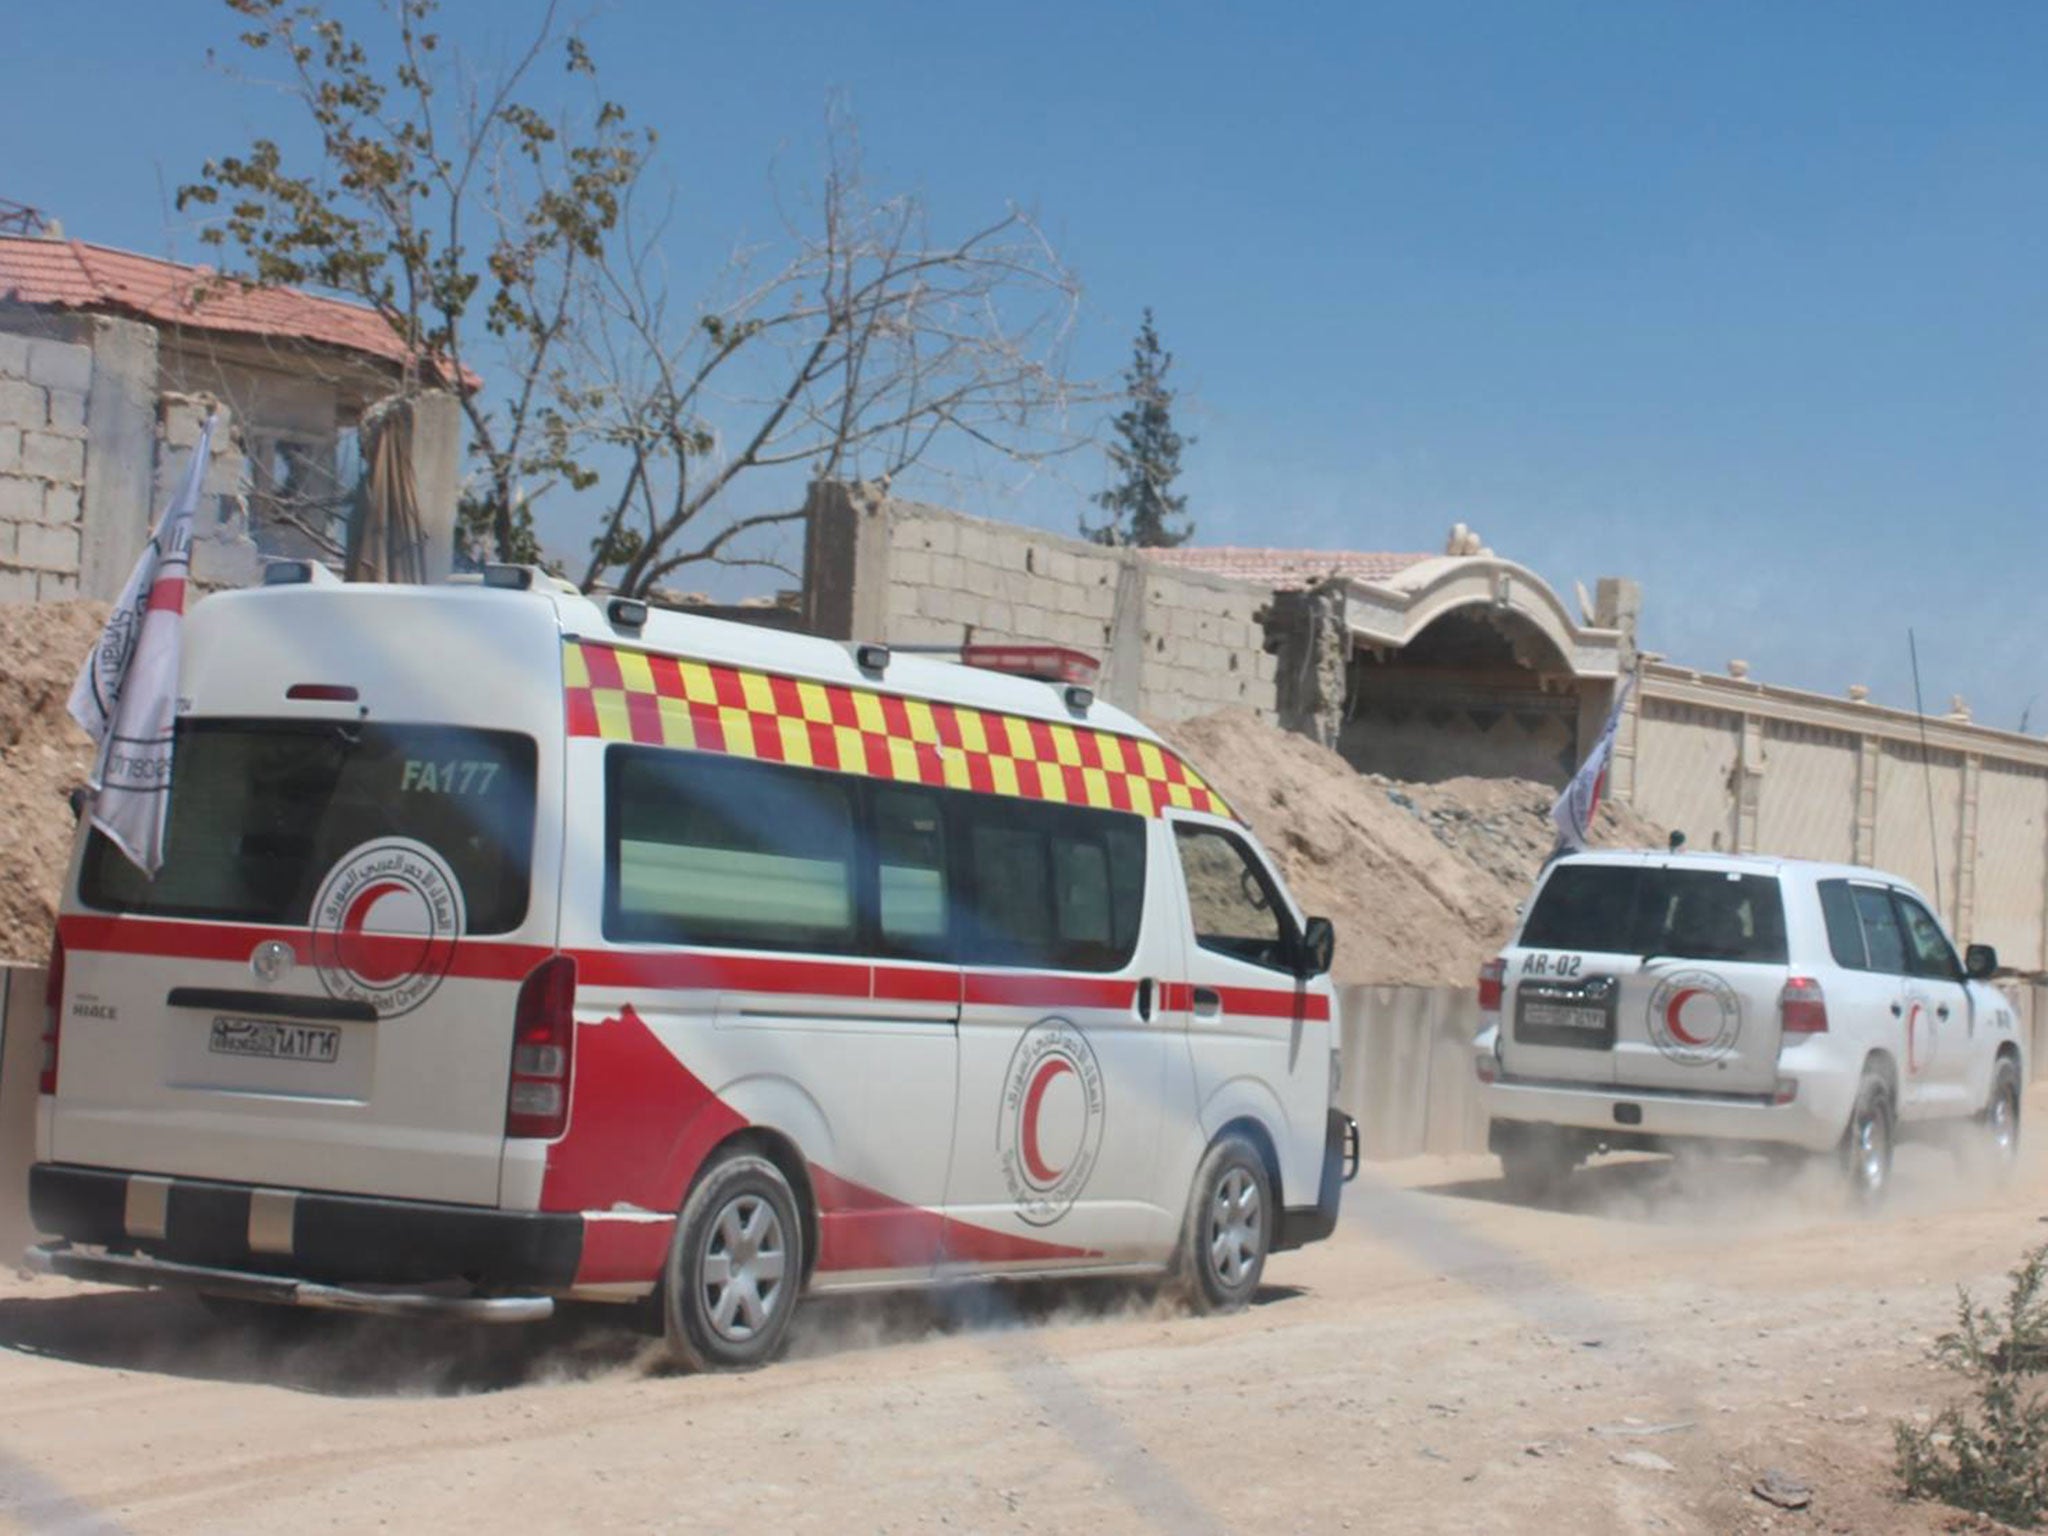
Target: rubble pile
[[43, 757], [1423, 881]]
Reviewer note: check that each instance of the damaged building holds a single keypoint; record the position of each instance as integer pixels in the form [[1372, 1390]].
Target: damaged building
[[109, 362]]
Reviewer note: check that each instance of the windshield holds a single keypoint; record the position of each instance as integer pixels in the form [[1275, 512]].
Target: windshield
[[1689, 914], [262, 811]]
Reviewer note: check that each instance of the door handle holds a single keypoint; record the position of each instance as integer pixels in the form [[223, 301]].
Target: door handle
[[1941, 1012], [1898, 1011], [1208, 1002], [1144, 1000]]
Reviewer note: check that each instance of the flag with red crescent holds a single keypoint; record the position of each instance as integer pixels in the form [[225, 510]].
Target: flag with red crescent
[[126, 695]]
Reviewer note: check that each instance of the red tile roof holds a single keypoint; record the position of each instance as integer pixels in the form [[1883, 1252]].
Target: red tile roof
[[70, 274], [1283, 568]]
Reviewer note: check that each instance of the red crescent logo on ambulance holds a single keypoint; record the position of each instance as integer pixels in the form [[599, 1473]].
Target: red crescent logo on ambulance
[[1694, 1017], [1049, 1124], [385, 925], [1034, 1098], [358, 954]]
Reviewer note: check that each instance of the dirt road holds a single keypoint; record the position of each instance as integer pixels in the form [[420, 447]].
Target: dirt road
[[1633, 1361]]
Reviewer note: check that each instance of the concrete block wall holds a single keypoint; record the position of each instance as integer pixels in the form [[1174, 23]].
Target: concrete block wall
[[1407, 1075], [950, 575], [1172, 643], [45, 384]]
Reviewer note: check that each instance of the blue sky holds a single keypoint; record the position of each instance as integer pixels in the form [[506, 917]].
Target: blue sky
[[1749, 301]]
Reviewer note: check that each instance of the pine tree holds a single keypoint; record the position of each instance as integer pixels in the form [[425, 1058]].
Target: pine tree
[[1146, 458]]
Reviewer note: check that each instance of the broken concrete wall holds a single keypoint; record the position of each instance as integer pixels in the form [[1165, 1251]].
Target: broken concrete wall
[[1311, 648], [223, 553]]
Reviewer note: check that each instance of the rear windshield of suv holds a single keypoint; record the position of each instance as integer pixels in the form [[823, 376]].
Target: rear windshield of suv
[[262, 811], [1631, 909]]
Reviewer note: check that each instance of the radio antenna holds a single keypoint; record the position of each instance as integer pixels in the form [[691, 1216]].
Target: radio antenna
[[1926, 769]]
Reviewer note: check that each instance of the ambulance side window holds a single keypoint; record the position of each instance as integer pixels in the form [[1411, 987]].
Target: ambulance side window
[[1056, 887], [722, 851], [1235, 909], [911, 899]]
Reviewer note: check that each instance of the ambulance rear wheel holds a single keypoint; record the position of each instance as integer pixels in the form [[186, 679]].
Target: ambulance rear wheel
[[734, 1269], [1228, 1229]]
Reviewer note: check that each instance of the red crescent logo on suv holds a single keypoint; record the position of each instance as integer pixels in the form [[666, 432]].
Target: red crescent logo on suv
[[1674, 1017], [1694, 1017]]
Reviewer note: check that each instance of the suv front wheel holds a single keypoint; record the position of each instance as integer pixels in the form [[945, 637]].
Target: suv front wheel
[[2000, 1118]]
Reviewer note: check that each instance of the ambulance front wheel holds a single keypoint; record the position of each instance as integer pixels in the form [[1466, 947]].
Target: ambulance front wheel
[[1228, 1229], [730, 1285]]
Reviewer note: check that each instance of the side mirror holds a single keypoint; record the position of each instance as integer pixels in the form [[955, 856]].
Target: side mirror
[[1979, 961], [77, 799], [1318, 947]]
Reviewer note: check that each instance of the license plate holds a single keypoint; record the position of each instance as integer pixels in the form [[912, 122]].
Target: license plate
[[273, 1041], [1564, 1016]]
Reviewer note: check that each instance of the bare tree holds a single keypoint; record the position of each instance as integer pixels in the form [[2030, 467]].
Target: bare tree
[[851, 351]]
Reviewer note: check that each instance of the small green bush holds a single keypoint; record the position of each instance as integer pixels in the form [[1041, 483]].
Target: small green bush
[[1989, 1453]]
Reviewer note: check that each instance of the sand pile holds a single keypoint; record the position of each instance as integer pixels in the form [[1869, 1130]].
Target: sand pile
[[1423, 881], [43, 757]]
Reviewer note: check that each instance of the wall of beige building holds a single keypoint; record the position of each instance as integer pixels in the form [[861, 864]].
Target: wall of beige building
[[1749, 767]]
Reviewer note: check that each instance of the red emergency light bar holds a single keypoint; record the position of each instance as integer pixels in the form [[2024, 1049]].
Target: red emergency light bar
[[1048, 663]]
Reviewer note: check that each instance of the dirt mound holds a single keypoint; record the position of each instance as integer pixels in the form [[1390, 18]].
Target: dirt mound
[[1423, 881], [43, 757]]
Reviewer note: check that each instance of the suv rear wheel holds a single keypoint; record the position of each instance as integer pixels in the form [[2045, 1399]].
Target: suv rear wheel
[[1535, 1167], [1867, 1144], [733, 1272]]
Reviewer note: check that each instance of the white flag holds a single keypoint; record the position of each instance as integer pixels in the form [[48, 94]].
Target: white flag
[[126, 695], [1580, 800]]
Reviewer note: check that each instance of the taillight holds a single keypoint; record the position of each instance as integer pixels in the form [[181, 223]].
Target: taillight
[[53, 1017], [543, 1050], [1802, 1008], [1492, 983]]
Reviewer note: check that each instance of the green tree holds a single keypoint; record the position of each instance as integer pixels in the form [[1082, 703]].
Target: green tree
[[1146, 457], [468, 218]]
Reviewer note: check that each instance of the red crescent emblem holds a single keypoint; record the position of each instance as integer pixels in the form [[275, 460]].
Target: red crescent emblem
[[1671, 1011], [1913, 1062], [1034, 1164], [358, 949]]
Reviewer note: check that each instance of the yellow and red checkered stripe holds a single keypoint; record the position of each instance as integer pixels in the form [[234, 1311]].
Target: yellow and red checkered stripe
[[624, 695]]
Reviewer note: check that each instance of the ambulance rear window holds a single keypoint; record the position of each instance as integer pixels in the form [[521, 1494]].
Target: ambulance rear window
[[263, 811]]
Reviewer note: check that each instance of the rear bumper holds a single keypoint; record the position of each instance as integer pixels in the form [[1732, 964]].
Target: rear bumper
[[303, 1235], [112, 1269], [1638, 1118], [1311, 1224]]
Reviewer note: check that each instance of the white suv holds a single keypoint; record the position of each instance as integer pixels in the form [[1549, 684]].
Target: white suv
[[1656, 999]]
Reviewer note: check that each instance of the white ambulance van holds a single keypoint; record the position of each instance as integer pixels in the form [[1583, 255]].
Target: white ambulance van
[[513, 948]]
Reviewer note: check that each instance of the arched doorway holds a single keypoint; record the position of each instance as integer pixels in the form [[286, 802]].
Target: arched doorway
[[1479, 691]]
